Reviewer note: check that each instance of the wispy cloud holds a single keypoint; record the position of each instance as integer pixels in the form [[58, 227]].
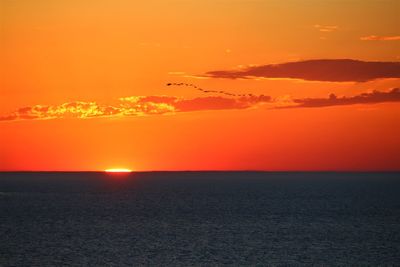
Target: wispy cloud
[[326, 28], [380, 38], [329, 70], [374, 97], [133, 106]]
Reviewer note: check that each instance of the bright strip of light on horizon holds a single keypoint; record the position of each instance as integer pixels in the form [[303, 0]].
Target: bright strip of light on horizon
[[118, 170]]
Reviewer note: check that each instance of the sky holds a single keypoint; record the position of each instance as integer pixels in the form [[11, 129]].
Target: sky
[[297, 85]]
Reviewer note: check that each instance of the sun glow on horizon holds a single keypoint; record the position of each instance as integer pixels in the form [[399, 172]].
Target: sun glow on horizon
[[118, 170]]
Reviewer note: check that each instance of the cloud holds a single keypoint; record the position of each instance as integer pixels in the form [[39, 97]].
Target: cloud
[[219, 103], [364, 98], [323, 28], [134, 106], [162, 104], [380, 38], [329, 70]]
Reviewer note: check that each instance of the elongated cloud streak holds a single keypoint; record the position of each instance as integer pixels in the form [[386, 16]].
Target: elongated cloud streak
[[326, 28], [158, 105], [328, 70], [134, 106], [364, 98], [380, 38]]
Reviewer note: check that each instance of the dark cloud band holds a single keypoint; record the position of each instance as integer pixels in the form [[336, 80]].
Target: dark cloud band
[[364, 98], [328, 70]]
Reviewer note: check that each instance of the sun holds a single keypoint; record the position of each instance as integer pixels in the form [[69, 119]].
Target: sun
[[118, 170]]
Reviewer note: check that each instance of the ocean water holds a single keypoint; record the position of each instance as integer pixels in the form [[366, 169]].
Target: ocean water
[[199, 218]]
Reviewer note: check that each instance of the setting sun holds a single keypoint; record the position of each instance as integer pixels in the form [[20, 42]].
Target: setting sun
[[118, 170]]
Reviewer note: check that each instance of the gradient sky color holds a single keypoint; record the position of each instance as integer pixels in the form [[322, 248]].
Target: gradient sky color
[[253, 85]]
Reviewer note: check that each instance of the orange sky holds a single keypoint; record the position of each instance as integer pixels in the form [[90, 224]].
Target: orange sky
[[81, 82]]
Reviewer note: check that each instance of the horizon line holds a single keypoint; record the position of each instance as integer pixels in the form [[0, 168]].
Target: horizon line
[[250, 170]]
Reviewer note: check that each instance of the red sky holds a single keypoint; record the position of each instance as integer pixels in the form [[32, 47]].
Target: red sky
[[253, 85]]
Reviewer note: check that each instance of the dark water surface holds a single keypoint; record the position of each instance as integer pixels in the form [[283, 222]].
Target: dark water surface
[[199, 218]]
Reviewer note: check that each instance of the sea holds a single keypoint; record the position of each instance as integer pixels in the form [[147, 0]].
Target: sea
[[199, 219]]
